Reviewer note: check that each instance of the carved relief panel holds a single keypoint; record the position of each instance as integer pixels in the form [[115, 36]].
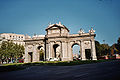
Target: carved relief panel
[[30, 48], [87, 44]]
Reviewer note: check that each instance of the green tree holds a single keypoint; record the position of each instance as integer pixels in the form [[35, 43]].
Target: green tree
[[98, 48], [115, 48], [118, 41], [102, 49], [105, 49], [118, 45], [10, 50], [4, 51]]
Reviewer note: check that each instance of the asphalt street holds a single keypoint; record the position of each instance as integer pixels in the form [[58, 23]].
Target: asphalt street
[[97, 71]]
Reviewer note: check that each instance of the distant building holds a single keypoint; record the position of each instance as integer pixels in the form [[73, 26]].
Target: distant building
[[16, 38]]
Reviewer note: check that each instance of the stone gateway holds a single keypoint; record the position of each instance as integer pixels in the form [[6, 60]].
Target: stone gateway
[[57, 44]]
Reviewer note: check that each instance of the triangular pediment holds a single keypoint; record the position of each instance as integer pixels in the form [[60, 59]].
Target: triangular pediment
[[56, 26]]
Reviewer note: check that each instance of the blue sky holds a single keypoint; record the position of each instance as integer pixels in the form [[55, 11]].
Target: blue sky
[[33, 16]]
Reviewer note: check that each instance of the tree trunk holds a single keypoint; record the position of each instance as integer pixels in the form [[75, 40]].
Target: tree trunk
[[0, 61]]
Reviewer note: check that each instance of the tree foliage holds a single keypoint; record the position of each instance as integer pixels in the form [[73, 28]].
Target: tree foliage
[[118, 44], [105, 49], [10, 50], [115, 48], [102, 49]]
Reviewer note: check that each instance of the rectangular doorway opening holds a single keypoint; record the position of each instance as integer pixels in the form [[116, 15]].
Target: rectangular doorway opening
[[88, 54], [30, 56]]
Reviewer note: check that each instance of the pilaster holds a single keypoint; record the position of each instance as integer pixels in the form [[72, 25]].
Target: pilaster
[[93, 50], [35, 54], [51, 50], [64, 51], [82, 50], [26, 54]]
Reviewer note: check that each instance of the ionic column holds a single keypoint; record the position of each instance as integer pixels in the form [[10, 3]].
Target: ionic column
[[51, 50], [82, 50], [35, 54], [47, 49], [61, 50], [70, 52], [64, 51], [93, 50], [26, 54]]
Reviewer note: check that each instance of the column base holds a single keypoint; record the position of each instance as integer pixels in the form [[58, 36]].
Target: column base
[[83, 59], [65, 59], [70, 59], [94, 58], [25, 60], [34, 61]]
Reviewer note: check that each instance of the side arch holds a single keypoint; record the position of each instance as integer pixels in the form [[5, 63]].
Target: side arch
[[41, 52]]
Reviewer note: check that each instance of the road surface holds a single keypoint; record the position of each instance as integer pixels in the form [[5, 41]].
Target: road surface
[[96, 71]]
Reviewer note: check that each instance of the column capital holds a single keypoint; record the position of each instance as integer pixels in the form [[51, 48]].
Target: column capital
[[81, 40], [26, 45], [92, 40], [64, 41]]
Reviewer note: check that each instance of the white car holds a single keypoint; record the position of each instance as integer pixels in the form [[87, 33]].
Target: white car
[[53, 59]]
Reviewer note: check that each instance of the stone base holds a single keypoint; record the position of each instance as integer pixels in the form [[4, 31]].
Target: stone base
[[65, 59], [83, 59], [25, 60], [94, 59], [70, 59], [34, 61]]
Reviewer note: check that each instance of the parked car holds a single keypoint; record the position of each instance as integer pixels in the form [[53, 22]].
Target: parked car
[[54, 59]]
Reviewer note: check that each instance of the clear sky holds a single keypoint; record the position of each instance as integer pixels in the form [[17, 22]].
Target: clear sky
[[33, 16]]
